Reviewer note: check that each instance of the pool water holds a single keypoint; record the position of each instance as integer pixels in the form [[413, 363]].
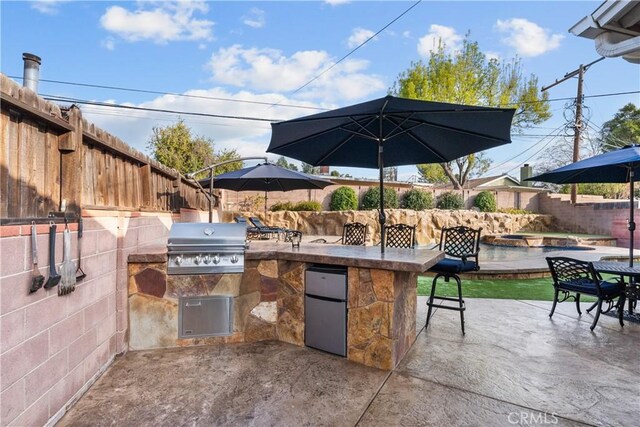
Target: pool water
[[511, 253]]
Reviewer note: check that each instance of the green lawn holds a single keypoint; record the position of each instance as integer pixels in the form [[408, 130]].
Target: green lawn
[[523, 289]]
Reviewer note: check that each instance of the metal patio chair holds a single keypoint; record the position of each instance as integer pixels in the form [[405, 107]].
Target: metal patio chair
[[574, 277], [461, 245], [354, 233], [400, 236]]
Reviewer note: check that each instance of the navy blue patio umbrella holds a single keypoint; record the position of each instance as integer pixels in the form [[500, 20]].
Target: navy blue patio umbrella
[[391, 131], [266, 177], [618, 166]]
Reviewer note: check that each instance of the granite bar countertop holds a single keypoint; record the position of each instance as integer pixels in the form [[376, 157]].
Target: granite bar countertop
[[415, 260]]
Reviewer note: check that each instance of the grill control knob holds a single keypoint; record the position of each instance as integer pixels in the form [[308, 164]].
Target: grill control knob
[[216, 259], [234, 259], [197, 260], [207, 259], [178, 260]]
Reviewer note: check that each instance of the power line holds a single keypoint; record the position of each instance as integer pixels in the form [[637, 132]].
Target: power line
[[157, 110], [552, 134], [355, 49], [156, 92]]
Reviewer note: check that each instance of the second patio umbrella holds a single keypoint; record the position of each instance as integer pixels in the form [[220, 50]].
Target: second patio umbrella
[[266, 177], [618, 166], [391, 131]]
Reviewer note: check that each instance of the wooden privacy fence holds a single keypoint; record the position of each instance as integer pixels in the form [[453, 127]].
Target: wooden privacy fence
[[52, 159]]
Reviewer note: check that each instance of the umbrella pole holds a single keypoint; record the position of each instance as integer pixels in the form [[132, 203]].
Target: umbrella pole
[[211, 195], [265, 205], [382, 217], [632, 223]]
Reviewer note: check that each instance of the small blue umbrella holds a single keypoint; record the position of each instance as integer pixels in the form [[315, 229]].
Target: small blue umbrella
[[619, 166], [266, 177]]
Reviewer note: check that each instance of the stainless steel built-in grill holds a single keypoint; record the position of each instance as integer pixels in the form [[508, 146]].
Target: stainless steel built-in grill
[[206, 248]]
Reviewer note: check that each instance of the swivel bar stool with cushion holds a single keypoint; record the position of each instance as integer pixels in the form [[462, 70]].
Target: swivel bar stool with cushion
[[460, 244]]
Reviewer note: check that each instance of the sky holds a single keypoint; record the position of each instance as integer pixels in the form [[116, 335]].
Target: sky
[[262, 60]]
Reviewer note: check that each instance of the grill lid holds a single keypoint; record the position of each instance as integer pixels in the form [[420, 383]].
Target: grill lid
[[201, 236]]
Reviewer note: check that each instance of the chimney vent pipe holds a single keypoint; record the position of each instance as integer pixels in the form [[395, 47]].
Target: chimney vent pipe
[[526, 171], [31, 75]]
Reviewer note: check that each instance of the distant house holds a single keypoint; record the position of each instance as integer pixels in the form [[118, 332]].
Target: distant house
[[508, 191], [615, 28]]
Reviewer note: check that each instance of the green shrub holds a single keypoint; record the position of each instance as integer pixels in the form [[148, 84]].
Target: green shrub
[[485, 201], [282, 206], [344, 199], [449, 200], [310, 205], [371, 199], [608, 191], [416, 199]]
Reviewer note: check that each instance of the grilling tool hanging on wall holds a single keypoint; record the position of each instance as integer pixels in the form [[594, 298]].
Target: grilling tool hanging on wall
[[37, 279], [80, 274], [54, 277], [68, 268]]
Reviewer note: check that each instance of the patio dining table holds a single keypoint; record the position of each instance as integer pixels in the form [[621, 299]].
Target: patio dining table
[[632, 288]]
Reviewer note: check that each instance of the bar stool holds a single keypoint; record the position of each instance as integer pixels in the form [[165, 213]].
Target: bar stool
[[459, 244]]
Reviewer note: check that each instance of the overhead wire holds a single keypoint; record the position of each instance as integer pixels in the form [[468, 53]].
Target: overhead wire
[[183, 95], [158, 110], [552, 134], [352, 51]]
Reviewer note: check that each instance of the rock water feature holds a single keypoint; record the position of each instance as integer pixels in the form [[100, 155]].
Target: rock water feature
[[428, 222]]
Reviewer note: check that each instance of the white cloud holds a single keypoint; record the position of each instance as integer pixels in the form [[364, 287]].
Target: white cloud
[[437, 34], [168, 21], [48, 7], [255, 18], [249, 138], [359, 36], [268, 70], [528, 38], [336, 2], [109, 43], [406, 34]]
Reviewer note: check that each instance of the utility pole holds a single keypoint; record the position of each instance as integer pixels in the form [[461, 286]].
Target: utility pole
[[578, 125], [577, 131]]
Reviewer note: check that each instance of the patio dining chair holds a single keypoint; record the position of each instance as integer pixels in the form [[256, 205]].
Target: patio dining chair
[[400, 236], [574, 277], [354, 233], [461, 246]]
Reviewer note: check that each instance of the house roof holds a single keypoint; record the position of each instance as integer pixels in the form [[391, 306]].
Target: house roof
[[615, 28], [487, 182]]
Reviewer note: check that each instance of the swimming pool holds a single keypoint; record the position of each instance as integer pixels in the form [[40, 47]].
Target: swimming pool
[[511, 253]]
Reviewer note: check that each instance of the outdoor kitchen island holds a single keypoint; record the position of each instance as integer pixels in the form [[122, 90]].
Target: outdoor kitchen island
[[268, 297]]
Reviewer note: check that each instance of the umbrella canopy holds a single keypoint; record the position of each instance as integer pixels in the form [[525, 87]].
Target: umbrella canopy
[[391, 131], [619, 166], [266, 177]]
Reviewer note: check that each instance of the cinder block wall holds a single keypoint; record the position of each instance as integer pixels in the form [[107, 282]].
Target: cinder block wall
[[53, 347], [592, 214]]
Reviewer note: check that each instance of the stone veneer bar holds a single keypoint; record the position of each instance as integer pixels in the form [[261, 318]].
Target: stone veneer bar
[[268, 298]]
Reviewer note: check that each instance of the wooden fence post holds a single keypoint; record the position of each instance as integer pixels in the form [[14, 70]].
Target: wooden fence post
[[71, 162], [145, 178]]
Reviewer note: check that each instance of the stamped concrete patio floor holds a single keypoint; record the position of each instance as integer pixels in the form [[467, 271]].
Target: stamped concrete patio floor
[[515, 366]]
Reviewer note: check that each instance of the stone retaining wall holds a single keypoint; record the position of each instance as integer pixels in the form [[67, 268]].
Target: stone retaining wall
[[428, 222]]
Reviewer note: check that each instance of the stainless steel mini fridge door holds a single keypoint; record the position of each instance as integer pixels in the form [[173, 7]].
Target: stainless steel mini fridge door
[[326, 325]]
